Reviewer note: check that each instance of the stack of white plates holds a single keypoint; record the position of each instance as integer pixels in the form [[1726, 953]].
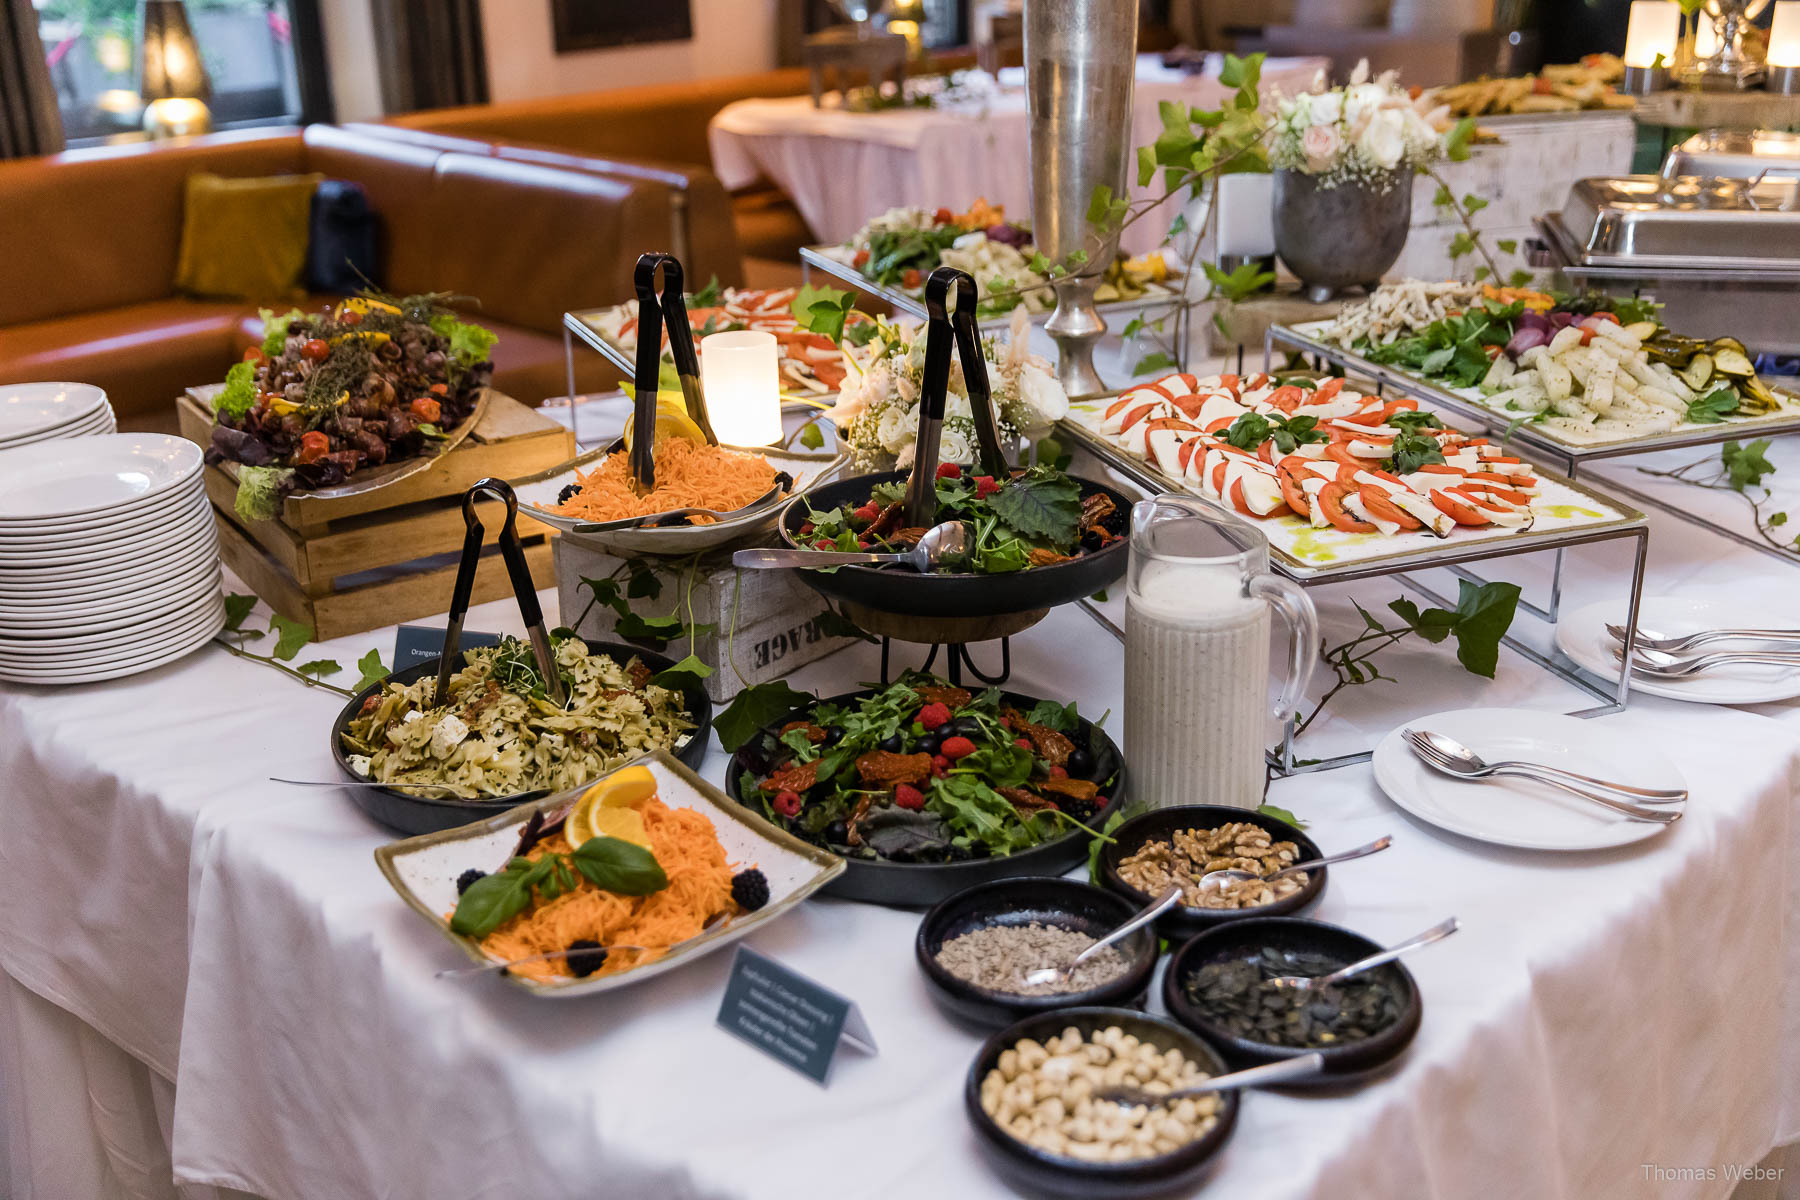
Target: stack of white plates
[[43, 412], [109, 562]]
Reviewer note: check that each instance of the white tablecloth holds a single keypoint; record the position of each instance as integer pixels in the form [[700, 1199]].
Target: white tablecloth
[[1599, 1013], [841, 168]]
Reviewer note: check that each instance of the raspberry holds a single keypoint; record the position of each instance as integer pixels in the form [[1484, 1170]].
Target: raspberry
[[867, 512], [1059, 772], [806, 529], [957, 747], [787, 803], [824, 544], [949, 471], [908, 796], [938, 772], [1101, 801], [985, 486], [1022, 743], [940, 762], [934, 715]]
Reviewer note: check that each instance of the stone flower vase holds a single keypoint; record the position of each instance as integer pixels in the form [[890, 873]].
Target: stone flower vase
[[1336, 237]]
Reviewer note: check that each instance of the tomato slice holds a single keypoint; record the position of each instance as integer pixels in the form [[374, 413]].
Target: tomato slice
[[1456, 510], [1327, 390], [1287, 397], [1375, 498], [1287, 474], [1331, 503]]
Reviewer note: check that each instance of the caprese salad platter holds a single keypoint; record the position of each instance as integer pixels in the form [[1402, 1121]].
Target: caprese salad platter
[[1335, 477]]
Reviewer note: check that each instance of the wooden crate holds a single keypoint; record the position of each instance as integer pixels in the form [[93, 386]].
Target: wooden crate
[[356, 563]]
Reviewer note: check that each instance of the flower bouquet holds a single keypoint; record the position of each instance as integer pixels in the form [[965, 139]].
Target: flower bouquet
[[1362, 132]]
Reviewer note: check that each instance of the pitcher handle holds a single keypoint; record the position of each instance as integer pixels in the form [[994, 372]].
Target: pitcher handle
[[1296, 608]]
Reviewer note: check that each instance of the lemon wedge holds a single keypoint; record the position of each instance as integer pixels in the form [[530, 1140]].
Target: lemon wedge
[[617, 793], [670, 423], [626, 824]]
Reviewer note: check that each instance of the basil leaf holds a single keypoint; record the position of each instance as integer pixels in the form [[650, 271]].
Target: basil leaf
[[491, 902], [615, 865]]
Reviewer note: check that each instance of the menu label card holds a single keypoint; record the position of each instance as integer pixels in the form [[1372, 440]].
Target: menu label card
[[416, 643], [787, 1016]]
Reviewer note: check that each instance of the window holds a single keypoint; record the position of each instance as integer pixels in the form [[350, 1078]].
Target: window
[[91, 46]]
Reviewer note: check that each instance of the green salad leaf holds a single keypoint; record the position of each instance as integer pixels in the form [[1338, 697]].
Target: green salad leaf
[[260, 490], [239, 396], [275, 329], [1040, 504]]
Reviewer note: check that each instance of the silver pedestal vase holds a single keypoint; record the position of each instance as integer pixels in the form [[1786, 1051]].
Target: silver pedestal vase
[[1340, 236], [1080, 60]]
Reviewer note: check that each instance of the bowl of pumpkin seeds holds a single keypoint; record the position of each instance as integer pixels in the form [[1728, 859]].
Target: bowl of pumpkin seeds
[[1219, 985]]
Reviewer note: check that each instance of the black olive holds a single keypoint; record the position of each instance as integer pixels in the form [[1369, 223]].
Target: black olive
[[1081, 763], [929, 744], [893, 743], [1093, 541], [833, 736], [837, 833], [967, 727]]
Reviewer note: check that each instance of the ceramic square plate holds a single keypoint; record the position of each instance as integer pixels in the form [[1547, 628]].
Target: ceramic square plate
[[424, 870]]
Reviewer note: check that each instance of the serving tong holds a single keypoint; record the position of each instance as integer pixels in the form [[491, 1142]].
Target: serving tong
[[670, 312], [934, 387], [512, 551]]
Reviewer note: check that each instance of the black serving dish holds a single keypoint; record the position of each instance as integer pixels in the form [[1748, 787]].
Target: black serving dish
[[1343, 1063], [920, 885], [1184, 921], [1059, 902], [409, 811], [1037, 1173], [901, 590]]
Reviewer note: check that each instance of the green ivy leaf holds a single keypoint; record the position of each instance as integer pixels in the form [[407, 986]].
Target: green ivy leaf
[[682, 676], [1456, 142], [1483, 615], [318, 668], [811, 436], [753, 708], [237, 607], [1280, 814], [1156, 360], [290, 636], [1745, 466], [372, 668], [1473, 204], [1099, 204], [1507, 245], [1442, 197]]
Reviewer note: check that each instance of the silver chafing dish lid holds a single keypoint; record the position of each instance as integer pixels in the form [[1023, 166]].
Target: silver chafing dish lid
[[1735, 154], [1686, 222]]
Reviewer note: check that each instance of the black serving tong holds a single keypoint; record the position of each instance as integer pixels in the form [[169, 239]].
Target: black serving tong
[[669, 312], [524, 591], [921, 488]]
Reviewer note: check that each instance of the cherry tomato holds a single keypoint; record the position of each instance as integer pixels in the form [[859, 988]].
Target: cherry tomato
[[862, 256], [316, 349], [943, 216], [253, 354], [438, 389], [351, 318], [1606, 316], [313, 446], [426, 409], [910, 278], [1492, 352]]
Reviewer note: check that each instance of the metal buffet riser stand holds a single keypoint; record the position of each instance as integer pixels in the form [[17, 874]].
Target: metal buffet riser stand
[[1541, 448], [1610, 694], [1175, 300]]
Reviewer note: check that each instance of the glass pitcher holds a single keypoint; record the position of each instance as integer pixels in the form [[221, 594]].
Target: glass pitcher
[[1197, 607]]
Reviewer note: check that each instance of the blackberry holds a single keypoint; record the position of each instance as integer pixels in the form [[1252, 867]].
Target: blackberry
[[569, 489], [750, 889], [1081, 810], [468, 877], [585, 956]]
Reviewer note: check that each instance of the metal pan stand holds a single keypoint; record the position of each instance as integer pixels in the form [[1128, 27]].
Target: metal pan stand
[[1564, 457]]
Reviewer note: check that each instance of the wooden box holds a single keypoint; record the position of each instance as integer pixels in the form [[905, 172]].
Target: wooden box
[[768, 622], [355, 563]]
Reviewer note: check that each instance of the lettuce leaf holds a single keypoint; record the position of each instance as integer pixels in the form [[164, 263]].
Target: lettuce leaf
[[259, 492], [239, 395], [275, 329], [469, 344]]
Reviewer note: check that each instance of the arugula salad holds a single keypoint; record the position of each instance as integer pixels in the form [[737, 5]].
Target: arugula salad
[[1034, 517], [926, 772]]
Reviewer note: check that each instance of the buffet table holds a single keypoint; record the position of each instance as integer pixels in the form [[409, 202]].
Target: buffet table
[[841, 168], [205, 973]]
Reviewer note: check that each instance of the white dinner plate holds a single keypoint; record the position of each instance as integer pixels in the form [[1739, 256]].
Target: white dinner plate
[[19, 549], [1582, 636], [27, 409], [109, 569], [135, 546], [67, 477], [100, 422], [116, 668], [151, 631], [90, 617], [152, 510], [129, 580], [1521, 812]]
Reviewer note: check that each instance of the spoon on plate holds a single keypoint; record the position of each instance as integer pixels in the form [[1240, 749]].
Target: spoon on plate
[[1275, 1072], [1451, 757], [1302, 983], [949, 540], [1171, 896], [1224, 876], [1656, 664], [1649, 639]]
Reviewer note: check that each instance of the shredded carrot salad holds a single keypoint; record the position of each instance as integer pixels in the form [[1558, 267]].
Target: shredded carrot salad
[[687, 849], [688, 475]]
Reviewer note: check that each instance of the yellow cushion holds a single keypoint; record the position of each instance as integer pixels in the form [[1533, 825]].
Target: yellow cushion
[[245, 239]]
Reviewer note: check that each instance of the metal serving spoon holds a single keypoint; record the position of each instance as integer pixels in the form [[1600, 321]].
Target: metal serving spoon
[[1171, 896], [1655, 664], [1301, 983], [1217, 880], [949, 540], [1649, 639], [1453, 758], [1275, 1072]]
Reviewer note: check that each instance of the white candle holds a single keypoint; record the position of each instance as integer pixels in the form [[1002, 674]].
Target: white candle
[[1246, 214], [741, 376], [1706, 36], [1654, 29], [1784, 35]]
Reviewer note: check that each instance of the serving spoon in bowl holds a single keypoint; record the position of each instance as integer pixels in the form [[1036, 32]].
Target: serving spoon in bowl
[[941, 542], [1302, 983], [1224, 876], [1275, 1072], [1171, 896]]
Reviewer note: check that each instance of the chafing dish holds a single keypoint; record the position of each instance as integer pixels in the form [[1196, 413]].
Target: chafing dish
[[1736, 154]]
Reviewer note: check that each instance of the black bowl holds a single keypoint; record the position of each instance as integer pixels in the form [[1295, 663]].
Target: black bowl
[[920, 885], [1059, 902], [900, 590], [1184, 921], [1036, 1172], [1343, 1063], [409, 812]]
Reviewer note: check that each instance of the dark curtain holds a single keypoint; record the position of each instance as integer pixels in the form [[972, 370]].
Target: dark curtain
[[431, 53], [29, 121]]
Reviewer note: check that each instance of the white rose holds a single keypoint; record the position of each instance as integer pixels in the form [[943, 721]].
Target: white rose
[[1327, 108], [1041, 397], [896, 428], [1320, 144], [954, 447], [1384, 141], [1360, 104]]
